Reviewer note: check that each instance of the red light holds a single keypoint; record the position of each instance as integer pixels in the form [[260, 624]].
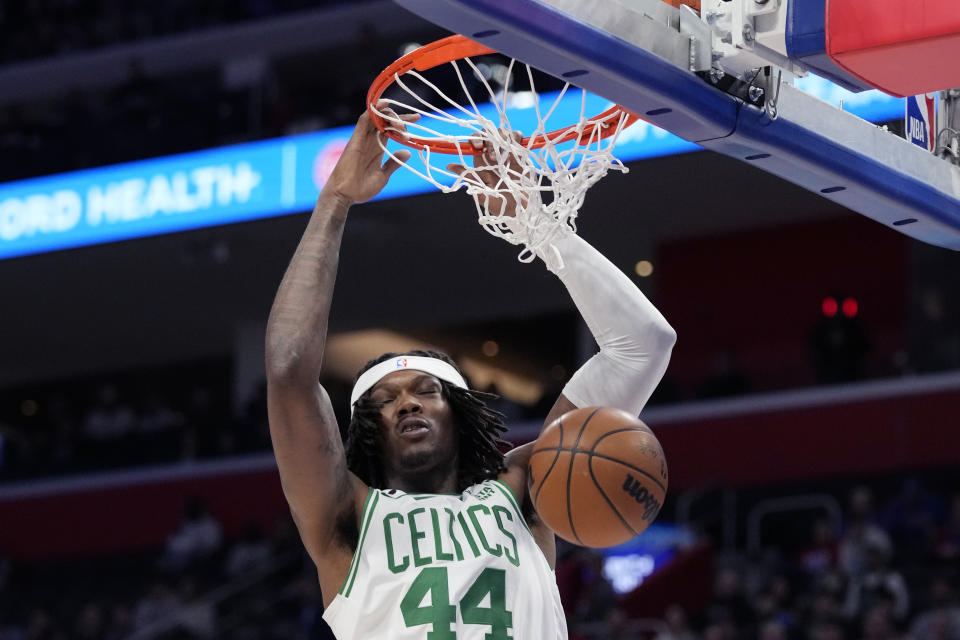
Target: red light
[[850, 307], [829, 307]]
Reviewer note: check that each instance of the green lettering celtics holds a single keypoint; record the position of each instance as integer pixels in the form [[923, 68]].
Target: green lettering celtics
[[425, 536]]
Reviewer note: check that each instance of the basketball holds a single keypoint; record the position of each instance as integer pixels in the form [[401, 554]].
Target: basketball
[[597, 476]]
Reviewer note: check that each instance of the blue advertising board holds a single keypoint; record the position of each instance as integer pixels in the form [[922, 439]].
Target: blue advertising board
[[626, 565], [267, 178]]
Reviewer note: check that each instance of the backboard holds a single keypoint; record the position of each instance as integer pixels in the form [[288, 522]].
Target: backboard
[[731, 94]]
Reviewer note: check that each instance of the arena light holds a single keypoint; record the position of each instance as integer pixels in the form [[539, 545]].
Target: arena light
[[644, 268], [829, 307], [850, 307]]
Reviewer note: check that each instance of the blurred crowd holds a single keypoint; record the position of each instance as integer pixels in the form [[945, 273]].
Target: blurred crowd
[[42, 28], [147, 117], [126, 426], [187, 413], [178, 414], [200, 585], [889, 572]]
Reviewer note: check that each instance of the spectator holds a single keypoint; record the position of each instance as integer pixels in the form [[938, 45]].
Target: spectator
[[120, 625], [89, 624], [820, 555], [617, 626], [776, 605], [729, 605], [40, 626], [878, 624], [879, 585], [107, 422], [196, 614], [159, 428], [824, 607], [941, 618], [250, 554], [196, 540], [721, 631], [108, 418], [677, 625], [160, 603], [157, 415], [772, 630], [861, 530], [827, 631]]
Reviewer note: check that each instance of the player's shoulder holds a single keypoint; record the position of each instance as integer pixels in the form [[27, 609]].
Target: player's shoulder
[[515, 473], [518, 457]]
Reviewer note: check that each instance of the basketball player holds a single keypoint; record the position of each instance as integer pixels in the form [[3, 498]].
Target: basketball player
[[416, 525]]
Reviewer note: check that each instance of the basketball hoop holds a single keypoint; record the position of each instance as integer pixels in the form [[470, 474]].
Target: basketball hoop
[[546, 172]]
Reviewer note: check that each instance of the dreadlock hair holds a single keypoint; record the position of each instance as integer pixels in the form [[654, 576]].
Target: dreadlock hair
[[479, 429]]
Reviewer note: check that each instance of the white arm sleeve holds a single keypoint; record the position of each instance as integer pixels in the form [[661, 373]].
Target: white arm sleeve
[[635, 339]]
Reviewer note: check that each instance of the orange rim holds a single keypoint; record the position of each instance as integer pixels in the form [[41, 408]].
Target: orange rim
[[457, 47]]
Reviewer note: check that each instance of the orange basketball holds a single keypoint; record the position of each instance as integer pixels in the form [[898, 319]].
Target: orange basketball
[[597, 476]]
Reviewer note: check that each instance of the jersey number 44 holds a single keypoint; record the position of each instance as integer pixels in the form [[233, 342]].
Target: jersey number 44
[[440, 614]]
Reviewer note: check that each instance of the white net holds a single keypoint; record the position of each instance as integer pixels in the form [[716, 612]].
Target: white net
[[546, 175]]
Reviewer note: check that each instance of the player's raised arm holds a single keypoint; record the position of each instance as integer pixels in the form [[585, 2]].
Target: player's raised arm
[[306, 439], [635, 339]]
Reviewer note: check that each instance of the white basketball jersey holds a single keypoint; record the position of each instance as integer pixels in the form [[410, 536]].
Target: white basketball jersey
[[447, 567]]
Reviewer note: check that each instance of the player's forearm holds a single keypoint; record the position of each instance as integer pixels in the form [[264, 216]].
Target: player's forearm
[[623, 321], [635, 339], [297, 328]]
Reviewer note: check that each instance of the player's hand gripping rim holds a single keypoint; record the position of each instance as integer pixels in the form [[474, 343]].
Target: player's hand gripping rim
[[499, 201], [359, 174]]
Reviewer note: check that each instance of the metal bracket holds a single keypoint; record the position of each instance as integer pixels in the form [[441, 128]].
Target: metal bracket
[[698, 32], [676, 35]]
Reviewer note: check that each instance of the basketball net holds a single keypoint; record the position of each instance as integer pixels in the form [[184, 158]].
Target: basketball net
[[546, 174]]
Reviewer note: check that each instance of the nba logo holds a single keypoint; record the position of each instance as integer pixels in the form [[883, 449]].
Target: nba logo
[[921, 120], [401, 363]]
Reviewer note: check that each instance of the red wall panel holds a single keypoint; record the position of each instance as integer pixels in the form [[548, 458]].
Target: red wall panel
[[135, 516], [757, 295], [869, 436]]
